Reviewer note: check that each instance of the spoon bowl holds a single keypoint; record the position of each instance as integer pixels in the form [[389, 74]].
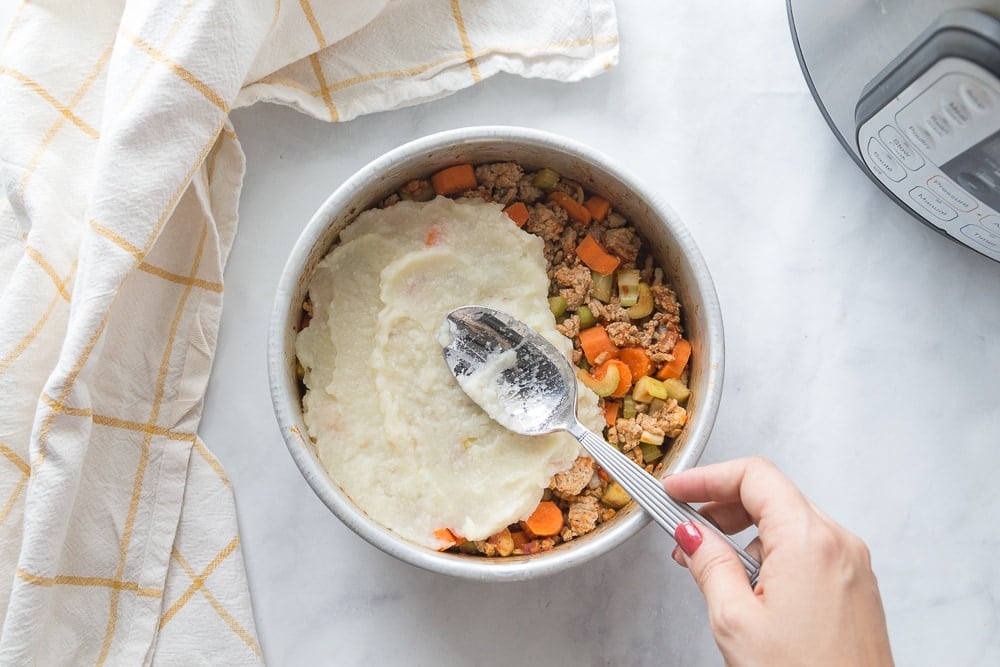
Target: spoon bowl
[[525, 384], [494, 356]]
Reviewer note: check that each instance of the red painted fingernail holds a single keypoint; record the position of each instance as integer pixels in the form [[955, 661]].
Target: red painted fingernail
[[688, 537], [676, 556]]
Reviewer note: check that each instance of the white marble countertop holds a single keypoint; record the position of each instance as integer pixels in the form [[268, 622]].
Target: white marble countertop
[[862, 356]]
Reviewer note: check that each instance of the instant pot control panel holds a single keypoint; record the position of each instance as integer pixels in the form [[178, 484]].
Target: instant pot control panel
[[929, 129]]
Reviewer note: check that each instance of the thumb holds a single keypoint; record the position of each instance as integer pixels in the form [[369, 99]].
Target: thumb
[[714, 565]]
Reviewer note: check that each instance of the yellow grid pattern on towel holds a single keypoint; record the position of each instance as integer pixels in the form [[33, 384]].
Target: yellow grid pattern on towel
[[127, 432], [465, 57], [317, 67], [57, 406]]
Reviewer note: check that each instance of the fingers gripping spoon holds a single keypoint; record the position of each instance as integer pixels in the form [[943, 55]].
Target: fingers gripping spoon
[[526, 385]]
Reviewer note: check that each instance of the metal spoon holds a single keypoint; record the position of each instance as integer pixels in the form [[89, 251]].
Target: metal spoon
[[524, 383]]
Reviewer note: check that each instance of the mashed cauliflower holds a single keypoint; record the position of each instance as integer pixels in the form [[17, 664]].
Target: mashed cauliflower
[[392, 426]]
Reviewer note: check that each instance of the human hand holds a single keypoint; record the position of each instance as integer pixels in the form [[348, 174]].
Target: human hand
[[817, 602]]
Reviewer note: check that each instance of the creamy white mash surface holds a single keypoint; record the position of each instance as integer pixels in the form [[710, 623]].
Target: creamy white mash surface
[[481, 385], [392, 426]]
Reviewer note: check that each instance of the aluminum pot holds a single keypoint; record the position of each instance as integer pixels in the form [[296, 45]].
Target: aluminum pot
[[670, 243]]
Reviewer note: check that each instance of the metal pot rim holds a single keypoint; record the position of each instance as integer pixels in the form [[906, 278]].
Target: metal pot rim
[[365, 186]]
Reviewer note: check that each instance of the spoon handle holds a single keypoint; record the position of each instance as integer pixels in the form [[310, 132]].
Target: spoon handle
[[648, 492]]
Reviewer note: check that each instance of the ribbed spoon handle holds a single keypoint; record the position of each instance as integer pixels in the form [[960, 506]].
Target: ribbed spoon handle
[[648, 492]]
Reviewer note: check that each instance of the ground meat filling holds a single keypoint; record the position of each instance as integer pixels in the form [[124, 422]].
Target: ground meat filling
[[573, 481], [546, 221], [583, 492], [623, 242], [499, 181], [573, 284]]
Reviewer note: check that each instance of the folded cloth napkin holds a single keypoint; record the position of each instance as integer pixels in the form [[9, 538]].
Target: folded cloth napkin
[[121, 175]]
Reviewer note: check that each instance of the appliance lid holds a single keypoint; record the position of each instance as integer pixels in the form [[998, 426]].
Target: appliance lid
[[911, 88]]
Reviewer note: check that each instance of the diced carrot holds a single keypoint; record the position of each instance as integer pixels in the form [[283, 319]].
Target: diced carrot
[[449, 538], [598, 207], [546, 520], [453, 180], [673, 369], [433, 235], [624, 375], [595, 342], [605, 477], [517, 212], [611, 411], [576, 212], [637, 360], [596, 257]]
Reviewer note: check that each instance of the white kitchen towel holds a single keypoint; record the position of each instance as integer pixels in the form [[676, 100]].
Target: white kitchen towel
[[121, 175]]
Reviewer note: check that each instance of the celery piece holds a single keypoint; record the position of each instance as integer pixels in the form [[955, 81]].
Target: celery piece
[[628, 407], [557, 304], [676, 389], [628, 287], [643, 305], [648, 438], [604, 386], [615, 496], [468, 547], [545, 178], [587, 318], [650, 453], [601, 286], [647, 388]]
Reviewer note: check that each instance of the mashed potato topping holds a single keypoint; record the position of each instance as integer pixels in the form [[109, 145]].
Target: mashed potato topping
[[391, 425]]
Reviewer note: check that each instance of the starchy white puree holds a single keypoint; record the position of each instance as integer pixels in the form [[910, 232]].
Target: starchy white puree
[[481, 384], [391, 425]]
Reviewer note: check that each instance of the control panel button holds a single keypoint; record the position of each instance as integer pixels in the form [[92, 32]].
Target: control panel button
[[884, 160], [938, 124], [901, 148], [977, 96], [991, 222], [921, 136], [933, 203], [984, 238], [956, 111], [951, 193]]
